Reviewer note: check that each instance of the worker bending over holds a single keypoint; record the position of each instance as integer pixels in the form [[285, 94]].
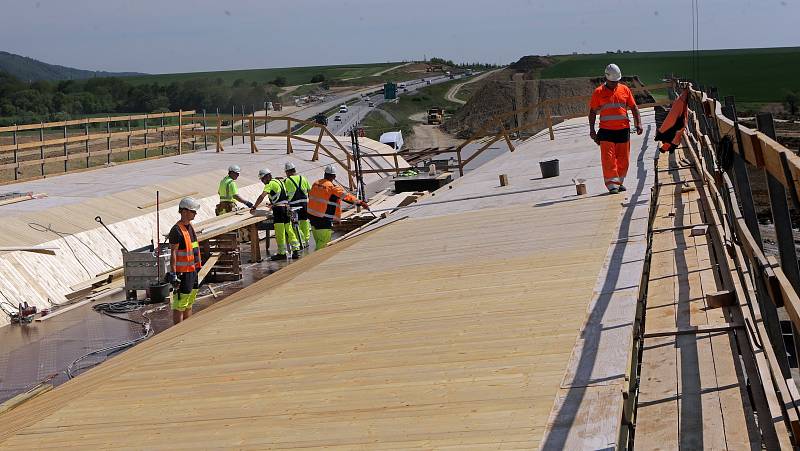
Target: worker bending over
[[611, 101], [184, 261], [275, 191], [229, 192], [297, 188], [325, 206]]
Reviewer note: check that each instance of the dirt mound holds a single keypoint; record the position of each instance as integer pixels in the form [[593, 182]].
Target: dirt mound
[[492, 97], [530, 63]]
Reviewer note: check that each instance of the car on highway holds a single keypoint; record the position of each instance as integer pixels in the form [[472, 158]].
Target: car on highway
[[343, 108], [337, 118], [428, 81], [371, 104]]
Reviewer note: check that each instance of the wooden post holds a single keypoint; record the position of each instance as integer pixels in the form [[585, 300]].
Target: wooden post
[[460, 163], [549, 120], [396, 164], [253, 148], [219, 133], [233, 113], [315, 157], [41, 148], [180, 132], [108, 140], [255, 248], [243, 113], [86, 143], [129, 138], [289, 136]]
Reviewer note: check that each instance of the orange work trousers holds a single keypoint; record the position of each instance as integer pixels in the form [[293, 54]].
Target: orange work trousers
[[614, 157]]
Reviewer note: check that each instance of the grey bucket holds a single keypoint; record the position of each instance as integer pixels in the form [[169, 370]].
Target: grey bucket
[[549, 168]]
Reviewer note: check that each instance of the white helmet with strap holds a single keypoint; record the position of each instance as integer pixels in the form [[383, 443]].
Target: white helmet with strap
[[613, 73]]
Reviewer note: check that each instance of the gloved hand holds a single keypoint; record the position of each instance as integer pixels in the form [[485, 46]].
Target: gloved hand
[[248, 203], [364, 204], [171, 279]]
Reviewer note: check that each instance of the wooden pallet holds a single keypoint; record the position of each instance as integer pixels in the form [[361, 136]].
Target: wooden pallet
[[229, 263]]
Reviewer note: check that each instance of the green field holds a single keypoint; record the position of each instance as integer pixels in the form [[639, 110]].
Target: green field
[[293, 75], [753, 76]]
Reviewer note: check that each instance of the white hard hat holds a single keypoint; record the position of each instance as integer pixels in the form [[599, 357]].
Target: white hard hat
[[289, 166], [189, 203], [234, 168], [613, 73], [264, 172], [330, 170]]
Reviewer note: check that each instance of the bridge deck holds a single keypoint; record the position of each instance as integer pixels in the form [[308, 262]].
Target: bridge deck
[[500, 323], [692, 392]]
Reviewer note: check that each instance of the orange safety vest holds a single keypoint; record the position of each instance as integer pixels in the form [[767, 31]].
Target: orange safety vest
[[612, 106], [671, 131], [187, 260], [325, 199]]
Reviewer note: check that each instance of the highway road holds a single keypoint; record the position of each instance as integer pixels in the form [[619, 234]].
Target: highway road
[[357, 111]]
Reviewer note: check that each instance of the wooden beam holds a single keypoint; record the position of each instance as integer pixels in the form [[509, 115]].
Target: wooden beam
[[699, 329]]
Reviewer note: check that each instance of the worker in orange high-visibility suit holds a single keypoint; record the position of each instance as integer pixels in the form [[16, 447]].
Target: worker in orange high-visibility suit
[[325, 206], [611, 101]]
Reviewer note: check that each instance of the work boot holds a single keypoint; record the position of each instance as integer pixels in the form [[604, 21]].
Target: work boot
[[295, 255], [613, 191], [622, 188], [278, 257]]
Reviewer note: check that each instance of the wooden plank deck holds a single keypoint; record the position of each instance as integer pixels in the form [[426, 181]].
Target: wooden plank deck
[[692, 393], [461, 342], [464, 327]]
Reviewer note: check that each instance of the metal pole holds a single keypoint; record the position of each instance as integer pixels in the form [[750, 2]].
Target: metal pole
[[108, 140], [782, 222], [41, 148], [129, 138], [66, 151], [16, 149], [205, 135], [86, 143], [243, 122], [233, 113], [741, 183], [162, 136]]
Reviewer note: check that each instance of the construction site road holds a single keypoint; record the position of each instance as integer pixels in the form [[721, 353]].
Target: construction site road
[[451, 93]]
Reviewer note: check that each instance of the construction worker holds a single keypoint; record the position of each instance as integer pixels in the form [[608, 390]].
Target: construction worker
[[325, 206], [275, 191], [229, 192], [611, 101], [297, 188], [184, 261]]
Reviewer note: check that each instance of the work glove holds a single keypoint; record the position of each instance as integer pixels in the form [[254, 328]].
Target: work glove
[[248, 203], [365, 204], [171, 279]]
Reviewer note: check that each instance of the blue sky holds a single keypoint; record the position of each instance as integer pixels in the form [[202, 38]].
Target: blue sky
[[185, 36]]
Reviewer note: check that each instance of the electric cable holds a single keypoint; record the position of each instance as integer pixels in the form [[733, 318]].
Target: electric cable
[[63, 235]]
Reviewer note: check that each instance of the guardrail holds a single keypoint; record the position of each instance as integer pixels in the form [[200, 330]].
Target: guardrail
[[727, 155], [67, 146]]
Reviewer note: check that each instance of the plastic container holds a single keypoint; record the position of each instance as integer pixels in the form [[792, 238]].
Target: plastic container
[[549, 168], [159, 292]]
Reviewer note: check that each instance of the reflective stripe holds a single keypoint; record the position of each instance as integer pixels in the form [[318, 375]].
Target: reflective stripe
[[183, 253], [319, 199], [184, 265], [614, 117], [298, 202], [608, 106]]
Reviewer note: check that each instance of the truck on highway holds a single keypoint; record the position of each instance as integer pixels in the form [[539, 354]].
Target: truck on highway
[[435, 115]]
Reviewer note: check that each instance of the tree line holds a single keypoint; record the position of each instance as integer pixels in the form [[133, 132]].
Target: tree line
[[23, 102]]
